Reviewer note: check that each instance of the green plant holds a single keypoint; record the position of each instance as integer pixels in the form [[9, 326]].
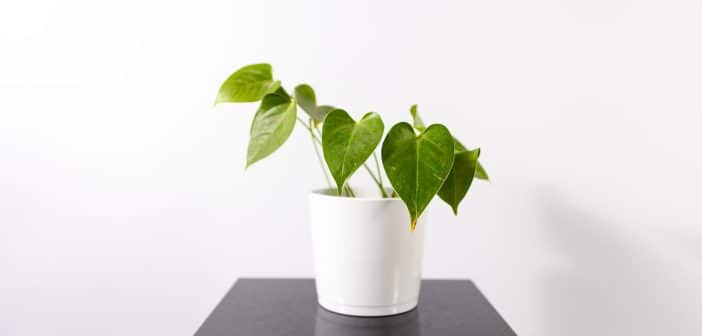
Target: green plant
[[420, 162]]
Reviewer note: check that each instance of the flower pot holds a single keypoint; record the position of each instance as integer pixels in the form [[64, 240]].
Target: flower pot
[[367, 260]]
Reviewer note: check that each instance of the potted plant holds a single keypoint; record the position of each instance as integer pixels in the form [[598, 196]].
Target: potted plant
[[368, 246]]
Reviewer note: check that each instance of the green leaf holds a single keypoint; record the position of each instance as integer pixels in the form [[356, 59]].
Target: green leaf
[[459, 180], [348, 144], [417, 165], [248, 84], [481, 173], [271, 126], [416, 120], [307, 99]]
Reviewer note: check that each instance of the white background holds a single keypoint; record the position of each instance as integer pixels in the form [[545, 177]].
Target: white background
[[125, 208]]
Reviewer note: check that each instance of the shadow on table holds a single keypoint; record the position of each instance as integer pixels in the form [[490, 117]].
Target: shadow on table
[[332, 324], [612, 285]]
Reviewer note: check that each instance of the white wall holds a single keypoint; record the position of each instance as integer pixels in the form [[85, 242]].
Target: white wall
[[125, 208]]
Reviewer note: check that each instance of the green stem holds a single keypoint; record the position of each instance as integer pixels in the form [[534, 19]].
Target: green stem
[[380, 175], [349, 190], [375, 179], [321, 164], [302, 122], [318, 132], [315, 141]]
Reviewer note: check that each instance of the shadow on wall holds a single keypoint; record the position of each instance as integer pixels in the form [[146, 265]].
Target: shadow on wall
[[613, 282]]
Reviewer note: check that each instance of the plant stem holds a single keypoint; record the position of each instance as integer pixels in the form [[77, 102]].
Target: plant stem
[[315, 141], [314, 137], [377, 182], [318, 133], [321, 164], [349, 191], [380, 175]]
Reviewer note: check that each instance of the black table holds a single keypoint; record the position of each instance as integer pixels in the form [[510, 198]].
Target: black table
[[288, 307]]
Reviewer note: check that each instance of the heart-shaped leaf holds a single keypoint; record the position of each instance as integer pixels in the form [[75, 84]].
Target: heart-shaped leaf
[[417, 165], [307, 99], [248, 84], [348, 144], [271, 126], [459, 180]]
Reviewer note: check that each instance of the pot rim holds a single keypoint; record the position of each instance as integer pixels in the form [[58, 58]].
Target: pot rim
[[330, 194]]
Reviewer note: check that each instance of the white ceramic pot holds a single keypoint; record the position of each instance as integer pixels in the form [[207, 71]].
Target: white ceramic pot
[[367, 260]]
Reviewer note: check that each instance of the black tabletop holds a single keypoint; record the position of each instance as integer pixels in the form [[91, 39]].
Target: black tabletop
[[288, 307]]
